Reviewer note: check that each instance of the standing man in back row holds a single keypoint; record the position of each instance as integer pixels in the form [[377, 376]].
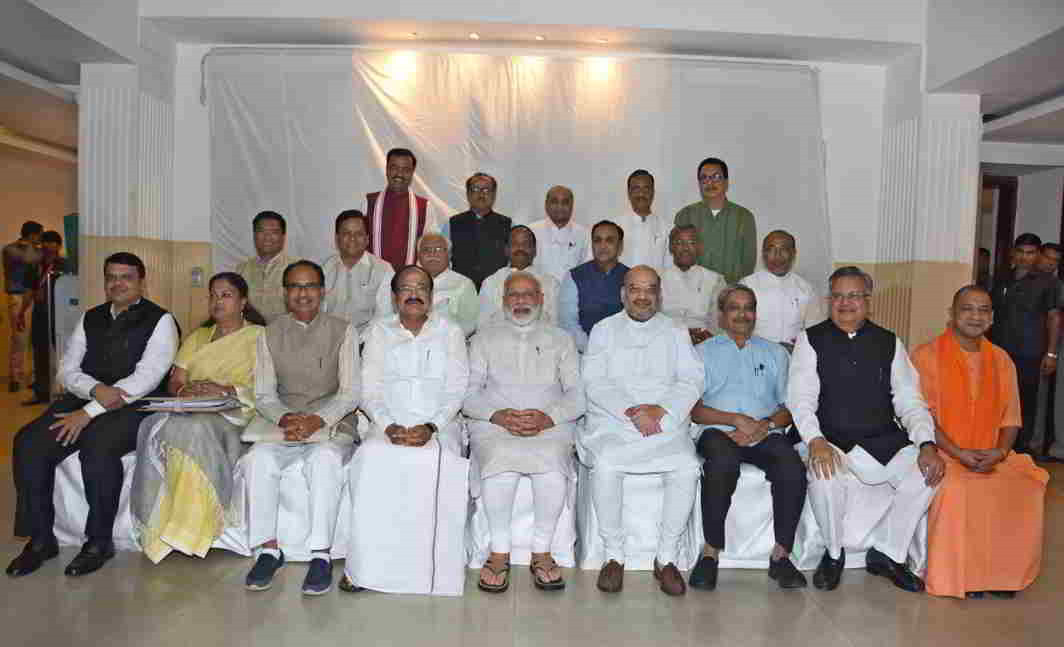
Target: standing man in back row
[[562, 243], [1026, 326], [728, 232], [397, 217], [478, 237], [264, 271]]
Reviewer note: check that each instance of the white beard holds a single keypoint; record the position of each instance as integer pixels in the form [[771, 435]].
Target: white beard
[[526, 320]]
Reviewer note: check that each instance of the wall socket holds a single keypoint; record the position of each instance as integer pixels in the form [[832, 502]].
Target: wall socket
[[197, 277]]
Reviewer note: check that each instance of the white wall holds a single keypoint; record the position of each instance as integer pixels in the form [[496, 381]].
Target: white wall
[[965, 35], [895, 21], [1038, 204], [852, 112]]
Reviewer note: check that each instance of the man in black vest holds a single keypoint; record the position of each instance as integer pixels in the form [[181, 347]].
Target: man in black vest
[[592, 291], [119, 353], [478, 236], [855, 398]]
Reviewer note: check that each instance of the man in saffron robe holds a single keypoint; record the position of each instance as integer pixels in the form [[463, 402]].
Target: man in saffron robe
[[985, 523]]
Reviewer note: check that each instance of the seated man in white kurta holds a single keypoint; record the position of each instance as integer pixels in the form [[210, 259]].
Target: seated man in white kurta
[[356, 281], [689, 291], [525, 396], [306, 381], [408, 481], [521, 250], [452, 293], [642, 377], [786, 303]]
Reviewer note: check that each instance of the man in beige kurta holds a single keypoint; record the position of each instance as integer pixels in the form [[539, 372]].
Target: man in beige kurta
[[524, 398], [264, 270]]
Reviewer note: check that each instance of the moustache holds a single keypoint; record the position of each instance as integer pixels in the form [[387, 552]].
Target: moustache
[[414, 300]]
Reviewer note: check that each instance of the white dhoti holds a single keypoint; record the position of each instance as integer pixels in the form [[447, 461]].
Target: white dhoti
[[323, 468], [912, 498], [408, 514]]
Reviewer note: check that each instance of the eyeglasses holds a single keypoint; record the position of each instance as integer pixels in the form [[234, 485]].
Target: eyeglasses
[[849, 296], [302, 286], [439, 249], [481, 189], [716, 177]]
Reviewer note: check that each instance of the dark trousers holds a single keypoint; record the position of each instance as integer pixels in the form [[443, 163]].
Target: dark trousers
[[1028, 375], [42, 355], [720, 473], [102, 444]]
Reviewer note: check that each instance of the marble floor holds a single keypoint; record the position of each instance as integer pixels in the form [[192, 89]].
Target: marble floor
[[185, 601]]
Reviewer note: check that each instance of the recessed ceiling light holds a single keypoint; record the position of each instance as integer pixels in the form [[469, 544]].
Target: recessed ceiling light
[[541, 37], [413, 34], [474, 36], [603, 40]]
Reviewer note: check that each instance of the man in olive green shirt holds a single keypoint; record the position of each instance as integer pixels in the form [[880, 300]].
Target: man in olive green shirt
[[727, 231]]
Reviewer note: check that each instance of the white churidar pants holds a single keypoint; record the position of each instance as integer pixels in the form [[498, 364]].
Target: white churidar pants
[[912, 497], [548, 497], [607, 494], [323, 468]]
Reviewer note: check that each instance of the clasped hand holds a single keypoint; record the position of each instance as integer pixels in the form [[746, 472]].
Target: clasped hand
[[299, 426], [522, 422], [646, 418], [748, 431], [981, 460], [415, 436]]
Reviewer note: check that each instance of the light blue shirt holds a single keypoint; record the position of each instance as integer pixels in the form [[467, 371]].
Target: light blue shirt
[[751, 380]]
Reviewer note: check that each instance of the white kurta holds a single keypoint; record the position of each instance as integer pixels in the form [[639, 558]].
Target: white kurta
[[456, 296], [359, 293], [560, 250], [409, 504], [629, 363], [491, 296], [646, 242], [786, 305], [691, 297], [535, 367]]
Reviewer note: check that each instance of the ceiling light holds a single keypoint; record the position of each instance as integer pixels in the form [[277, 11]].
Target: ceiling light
[[541, 37], [474, 36], [413, 34], [603, 40]]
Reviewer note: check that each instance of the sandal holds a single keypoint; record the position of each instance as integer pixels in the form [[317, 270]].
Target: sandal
[[545, 564], [496, 568]]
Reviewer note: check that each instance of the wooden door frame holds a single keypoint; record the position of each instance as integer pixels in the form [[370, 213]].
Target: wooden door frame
[[1005, 234]]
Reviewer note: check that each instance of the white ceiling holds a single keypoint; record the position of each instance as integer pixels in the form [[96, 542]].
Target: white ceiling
[[326, 31], [36, 42]]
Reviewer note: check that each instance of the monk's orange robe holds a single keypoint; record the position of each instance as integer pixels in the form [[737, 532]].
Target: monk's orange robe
[[984, 531]]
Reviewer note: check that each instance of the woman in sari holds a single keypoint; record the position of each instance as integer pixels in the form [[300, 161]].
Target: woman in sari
[[183, 481]]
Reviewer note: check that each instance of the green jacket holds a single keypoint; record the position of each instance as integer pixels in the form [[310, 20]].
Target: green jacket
[[729, 239]]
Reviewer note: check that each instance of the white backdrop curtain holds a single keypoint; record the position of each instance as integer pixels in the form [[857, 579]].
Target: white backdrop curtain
[[304, 132]]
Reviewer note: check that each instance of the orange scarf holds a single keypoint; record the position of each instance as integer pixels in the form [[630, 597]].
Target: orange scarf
[[973, 424]]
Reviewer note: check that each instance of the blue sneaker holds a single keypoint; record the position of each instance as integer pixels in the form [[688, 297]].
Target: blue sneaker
[[319, 577], [260, 577]]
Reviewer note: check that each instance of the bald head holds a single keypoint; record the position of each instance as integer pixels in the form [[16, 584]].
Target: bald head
[[641, 293], [559, 205]]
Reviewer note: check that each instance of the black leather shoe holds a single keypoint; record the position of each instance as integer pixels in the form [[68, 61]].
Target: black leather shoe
[[35, 401], [704, 574], [31, 558], [1003, 595], [829, 571], [785, 574], [877, 563], [94, 554]]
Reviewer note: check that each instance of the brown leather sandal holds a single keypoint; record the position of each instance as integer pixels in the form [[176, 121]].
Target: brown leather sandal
[[544, 564], [496, 568]]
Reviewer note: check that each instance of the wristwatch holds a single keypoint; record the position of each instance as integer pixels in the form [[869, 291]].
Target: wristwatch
[[929, 442]]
